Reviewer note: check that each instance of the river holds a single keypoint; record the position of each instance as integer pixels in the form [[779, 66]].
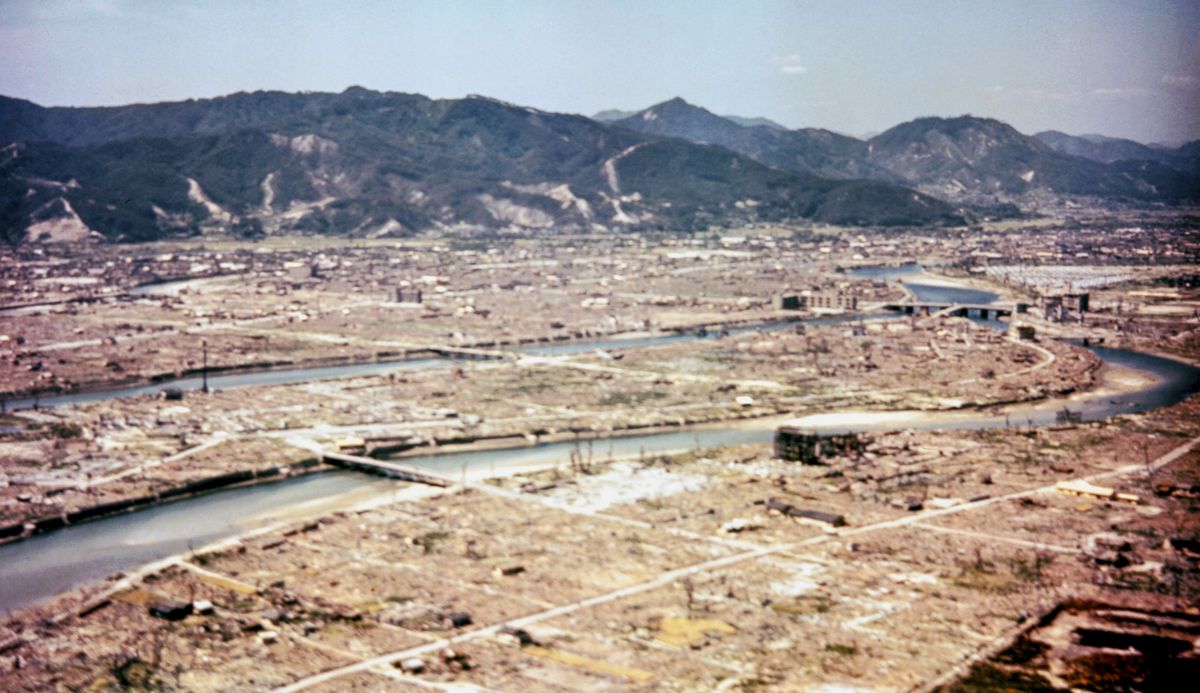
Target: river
[[288, 376], [307, 374], [34, 570]]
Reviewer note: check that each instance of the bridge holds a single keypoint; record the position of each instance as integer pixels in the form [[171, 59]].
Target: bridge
[[392, 470], [389, 469], [943, 308], [470, 353]]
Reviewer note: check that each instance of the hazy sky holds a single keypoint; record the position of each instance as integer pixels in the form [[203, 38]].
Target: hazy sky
[[1128, 68]]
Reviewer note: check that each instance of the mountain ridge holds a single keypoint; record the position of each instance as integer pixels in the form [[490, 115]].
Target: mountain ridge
[[808, 150], [969, 158], [1111, 149], [966, 159], [365, 163]]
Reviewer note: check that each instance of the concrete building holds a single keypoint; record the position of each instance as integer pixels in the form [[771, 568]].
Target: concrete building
[[798, 445], [411, 296], [1065, 306], [790, 302], [819, 300]]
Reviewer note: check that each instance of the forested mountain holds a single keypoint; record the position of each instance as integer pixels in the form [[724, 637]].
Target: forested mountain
[[366, 163]]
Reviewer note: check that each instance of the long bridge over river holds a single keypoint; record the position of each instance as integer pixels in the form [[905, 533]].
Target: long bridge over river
[[947, 308]]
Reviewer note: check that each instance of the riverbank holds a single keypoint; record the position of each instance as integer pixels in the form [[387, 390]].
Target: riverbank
[[566, 454], [20, 531], [304, 370], [533, 394], [439, 449], [459, 433], [72, 506], [192, 379], [318, 599], [977, 282]]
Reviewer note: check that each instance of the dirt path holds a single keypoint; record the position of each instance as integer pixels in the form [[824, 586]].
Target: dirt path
[[385, 661]]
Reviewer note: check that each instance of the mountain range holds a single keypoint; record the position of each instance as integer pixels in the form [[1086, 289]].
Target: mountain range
[[820, 152], [367, 163], [1109, 149], [966, 160]]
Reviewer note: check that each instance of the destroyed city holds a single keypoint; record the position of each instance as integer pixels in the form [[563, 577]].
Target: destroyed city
[[477, 347]]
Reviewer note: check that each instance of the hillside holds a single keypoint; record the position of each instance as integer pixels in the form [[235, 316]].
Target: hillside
[[1097, 147], [968, 157], [611, 114], [754, 122], [815, 151], [970, 160], [1111, 149], [365, 163]]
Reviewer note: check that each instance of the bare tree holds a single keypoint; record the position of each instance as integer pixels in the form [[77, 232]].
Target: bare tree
[[1146, 461], [689, 590]]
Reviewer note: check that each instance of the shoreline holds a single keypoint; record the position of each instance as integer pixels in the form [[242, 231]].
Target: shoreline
[[873, 418], [399, 356], [518, 440], [91, 595], [19, 531], [155, 379]]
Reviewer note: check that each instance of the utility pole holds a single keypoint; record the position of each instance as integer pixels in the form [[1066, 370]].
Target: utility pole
[[204, 370]]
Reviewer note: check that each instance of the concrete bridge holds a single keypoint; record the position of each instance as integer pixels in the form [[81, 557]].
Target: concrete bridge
[[371, 465], [966, 310], [388, 469]]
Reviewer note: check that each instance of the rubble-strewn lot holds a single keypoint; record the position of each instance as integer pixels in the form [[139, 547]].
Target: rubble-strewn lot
[[284, 302], [920, 363], [906, 558], [663, 573], [86, 475], [135, 447]]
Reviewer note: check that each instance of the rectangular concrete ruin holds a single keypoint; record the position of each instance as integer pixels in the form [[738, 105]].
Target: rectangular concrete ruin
[[807, 447]]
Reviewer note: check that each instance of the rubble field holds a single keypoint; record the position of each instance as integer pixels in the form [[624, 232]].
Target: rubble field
[[668, 572], [1051, 558], [64, 460]]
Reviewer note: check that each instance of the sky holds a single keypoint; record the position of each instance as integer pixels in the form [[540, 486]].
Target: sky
[[1123, 68]]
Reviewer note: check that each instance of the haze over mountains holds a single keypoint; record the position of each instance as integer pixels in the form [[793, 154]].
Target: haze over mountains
[[365, 163], [1109, 149]]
